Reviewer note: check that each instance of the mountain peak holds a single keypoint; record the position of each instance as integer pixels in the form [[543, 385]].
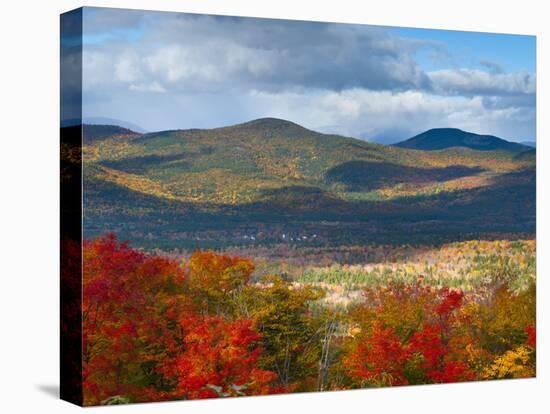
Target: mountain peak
[[271, 127], [442, 138], [446, 130], [271, 123]]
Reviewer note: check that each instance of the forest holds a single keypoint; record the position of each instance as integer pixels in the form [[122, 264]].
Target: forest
[[158, 327]]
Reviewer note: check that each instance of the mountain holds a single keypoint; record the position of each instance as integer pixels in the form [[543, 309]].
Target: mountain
[[528, 155], [529, 143], [101, 120], [242, 163], [269, 177], [442, 138], [98, 132]]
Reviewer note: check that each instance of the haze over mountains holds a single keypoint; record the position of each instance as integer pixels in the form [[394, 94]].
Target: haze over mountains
[[270, 177]]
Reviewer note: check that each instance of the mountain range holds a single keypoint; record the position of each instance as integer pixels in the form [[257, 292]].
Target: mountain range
[[269, 177]]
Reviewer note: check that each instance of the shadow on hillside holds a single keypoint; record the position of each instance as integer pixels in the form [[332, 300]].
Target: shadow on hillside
[[368, 175]]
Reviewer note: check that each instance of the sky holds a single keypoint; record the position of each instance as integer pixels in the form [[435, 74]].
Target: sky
[[164, 71]]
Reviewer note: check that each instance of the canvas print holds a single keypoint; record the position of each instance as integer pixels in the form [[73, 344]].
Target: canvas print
[[260, 206]]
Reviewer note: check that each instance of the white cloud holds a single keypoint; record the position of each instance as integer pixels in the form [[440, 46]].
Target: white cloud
[[478, 82], [128, 68], [360, 112], [147, 87]]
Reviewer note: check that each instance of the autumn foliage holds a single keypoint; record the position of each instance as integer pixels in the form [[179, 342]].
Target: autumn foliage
[[145, 338], [421, 335], [220, 358], [157, 328]]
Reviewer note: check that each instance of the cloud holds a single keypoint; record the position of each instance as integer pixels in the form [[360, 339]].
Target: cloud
[[194, 52], [493, 67], [371, 114], [477, 82], [147, 87], [168, 70], [197, 53]]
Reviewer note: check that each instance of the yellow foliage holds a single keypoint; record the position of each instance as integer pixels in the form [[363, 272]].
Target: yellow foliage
[[513, 364]]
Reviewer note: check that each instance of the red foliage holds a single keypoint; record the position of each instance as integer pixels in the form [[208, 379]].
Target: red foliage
[[452, 300], [419, 353], [453, 371], [380, 358], [531, 332], [427, 342], [123, 307], [220, 353], [435, 356]]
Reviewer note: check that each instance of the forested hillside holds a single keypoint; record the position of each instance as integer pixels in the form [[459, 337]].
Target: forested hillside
[[270, 181]]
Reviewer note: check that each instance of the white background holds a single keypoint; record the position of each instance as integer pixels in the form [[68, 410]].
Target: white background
[[29, 194]]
